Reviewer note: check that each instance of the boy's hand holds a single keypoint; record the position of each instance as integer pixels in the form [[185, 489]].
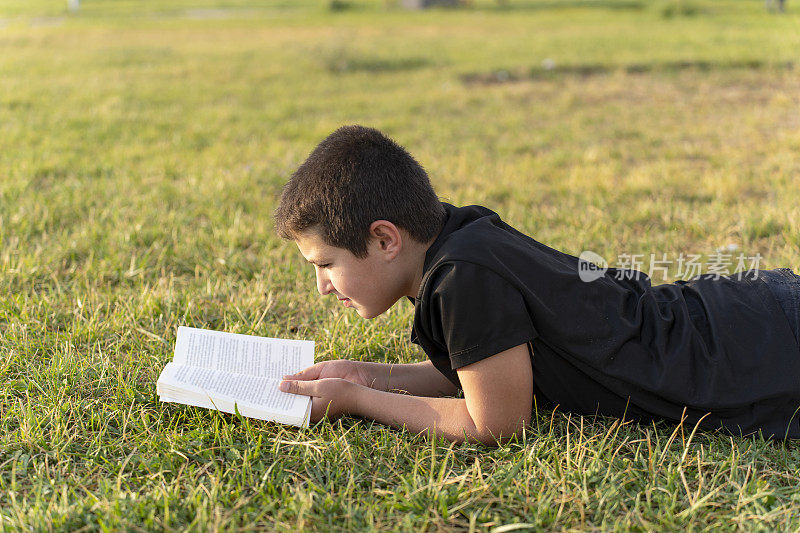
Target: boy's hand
[[350, 371], [330, 397]]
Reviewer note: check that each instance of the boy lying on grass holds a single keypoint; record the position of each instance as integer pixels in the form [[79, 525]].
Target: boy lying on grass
[[506, 319]]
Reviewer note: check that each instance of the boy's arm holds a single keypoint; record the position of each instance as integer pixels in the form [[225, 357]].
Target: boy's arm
[[498, 395], [418, 379]]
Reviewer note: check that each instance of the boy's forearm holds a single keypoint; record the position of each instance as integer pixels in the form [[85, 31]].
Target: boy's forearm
[[446, 417], [418, 379]]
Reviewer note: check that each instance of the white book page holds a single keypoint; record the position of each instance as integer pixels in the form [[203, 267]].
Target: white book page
[[253, 395], [242, 354]]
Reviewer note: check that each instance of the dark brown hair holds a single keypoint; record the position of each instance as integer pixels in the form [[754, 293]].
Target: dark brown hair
[[354, 177]]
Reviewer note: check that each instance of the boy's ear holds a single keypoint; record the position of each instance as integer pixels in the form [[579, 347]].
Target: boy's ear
[[386, 237]]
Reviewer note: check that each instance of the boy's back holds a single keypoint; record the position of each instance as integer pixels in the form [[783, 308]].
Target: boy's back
[[618, 347]]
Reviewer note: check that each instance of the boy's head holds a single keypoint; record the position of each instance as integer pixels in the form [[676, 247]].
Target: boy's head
[[354, 177]]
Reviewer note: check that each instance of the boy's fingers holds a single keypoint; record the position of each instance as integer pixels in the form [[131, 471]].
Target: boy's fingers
[[306, 388], [288, 386], [311, 372]]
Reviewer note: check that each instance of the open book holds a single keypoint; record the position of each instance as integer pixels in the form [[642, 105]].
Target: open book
[[229, 371]]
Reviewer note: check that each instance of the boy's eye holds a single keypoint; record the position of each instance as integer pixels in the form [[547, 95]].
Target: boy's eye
[[326, 265]]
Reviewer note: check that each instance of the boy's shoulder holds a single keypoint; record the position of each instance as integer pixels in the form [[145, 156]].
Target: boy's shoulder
[[470, 233], [475, 244]]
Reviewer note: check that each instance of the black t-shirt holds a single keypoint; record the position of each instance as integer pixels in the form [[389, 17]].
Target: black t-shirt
[[614, 346]]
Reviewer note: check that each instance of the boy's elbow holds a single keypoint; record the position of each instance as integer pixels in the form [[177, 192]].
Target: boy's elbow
[[495, 424], [491, 440], [497, 434], [496, 439]]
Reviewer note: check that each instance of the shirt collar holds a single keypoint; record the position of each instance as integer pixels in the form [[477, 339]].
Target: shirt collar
[[450, 225]]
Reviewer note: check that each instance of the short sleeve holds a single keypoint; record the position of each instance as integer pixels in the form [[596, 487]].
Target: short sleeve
[[476, 312]]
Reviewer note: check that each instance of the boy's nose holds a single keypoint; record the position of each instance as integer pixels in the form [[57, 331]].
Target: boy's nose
[[323, 284]]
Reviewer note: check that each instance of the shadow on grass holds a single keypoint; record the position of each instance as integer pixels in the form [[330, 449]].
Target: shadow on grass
[[556, 5], [344, 64], [548, 72]]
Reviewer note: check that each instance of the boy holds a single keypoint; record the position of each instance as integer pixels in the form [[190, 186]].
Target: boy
[[506, 319]]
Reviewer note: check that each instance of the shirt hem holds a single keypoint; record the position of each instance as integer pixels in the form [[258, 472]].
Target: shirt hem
[[479, 353]]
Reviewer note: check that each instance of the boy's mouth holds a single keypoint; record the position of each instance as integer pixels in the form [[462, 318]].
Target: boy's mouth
[[345, 301]]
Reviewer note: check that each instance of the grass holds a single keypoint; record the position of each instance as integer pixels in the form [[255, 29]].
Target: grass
[[142, 148]]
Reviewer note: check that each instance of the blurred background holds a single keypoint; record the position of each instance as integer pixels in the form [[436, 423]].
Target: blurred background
[[147, 141]]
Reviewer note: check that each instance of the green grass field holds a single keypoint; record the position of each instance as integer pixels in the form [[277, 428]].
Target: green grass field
[[142, 146]]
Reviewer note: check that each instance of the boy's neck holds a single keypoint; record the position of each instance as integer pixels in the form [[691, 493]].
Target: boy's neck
[[416, 262]]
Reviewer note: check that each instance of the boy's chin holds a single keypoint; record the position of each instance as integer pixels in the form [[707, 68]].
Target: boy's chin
[[363, 313], [367, 314]]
